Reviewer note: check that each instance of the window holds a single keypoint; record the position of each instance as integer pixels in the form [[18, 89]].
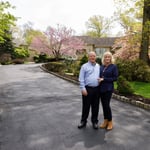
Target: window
[[101, 51]]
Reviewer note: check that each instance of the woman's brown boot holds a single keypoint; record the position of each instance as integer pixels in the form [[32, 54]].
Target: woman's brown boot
[[104, 124], [110, 125]]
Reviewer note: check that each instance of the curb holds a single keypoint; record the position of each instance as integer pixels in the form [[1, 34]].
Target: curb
[[117, 97], [131, 101]]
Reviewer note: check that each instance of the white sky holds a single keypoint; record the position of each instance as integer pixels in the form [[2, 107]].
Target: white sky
[[71, 13]]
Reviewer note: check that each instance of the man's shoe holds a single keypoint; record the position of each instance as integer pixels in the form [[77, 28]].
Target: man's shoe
[[95, 126], [82, 125]]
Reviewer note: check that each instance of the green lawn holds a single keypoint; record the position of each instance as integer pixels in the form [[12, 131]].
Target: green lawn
[[140, 88]]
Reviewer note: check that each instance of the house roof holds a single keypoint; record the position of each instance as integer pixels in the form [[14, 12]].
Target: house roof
[[98, 42]]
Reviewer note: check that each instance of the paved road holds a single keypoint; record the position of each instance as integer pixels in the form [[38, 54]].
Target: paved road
[[39, 111]]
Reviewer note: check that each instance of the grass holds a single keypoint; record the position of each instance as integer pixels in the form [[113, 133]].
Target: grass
[[140, 88]]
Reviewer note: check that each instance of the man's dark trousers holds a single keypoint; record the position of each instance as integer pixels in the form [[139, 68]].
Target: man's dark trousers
[[90, 101]]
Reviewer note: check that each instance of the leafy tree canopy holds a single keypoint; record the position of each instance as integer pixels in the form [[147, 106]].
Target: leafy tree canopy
[[129, 14], [6, 20], [98, 26]]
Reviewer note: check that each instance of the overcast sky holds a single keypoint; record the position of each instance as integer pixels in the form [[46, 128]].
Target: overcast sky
[[71, 13]]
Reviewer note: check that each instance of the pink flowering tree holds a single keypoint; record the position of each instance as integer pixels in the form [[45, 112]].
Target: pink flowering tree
[[127, 47], [39, 44], [62, 42], [59, 42]]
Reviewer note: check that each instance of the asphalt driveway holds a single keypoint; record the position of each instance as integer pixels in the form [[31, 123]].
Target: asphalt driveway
[[39, 111]]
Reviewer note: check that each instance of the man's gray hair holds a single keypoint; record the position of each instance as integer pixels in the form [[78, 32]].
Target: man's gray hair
[[91, 52]]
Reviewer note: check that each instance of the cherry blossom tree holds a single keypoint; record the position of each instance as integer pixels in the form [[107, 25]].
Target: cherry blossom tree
[[127, 47], [58, 41], [39, 44], [62, 41]]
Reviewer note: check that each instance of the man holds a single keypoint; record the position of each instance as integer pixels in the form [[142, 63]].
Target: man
[[89, 86]]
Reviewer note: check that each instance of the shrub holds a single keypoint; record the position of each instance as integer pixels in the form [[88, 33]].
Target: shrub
[[79, 63], [141, 71], [99, 60], [123, 86], [83, 60], [76, 69], [20, 53], [5, 59], [41, 58], [18, 61], [124, 68], [55, 66], [134, 70], [36, 58], [69, 65]]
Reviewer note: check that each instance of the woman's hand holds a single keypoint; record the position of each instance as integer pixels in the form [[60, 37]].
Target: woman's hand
[[100, 80]]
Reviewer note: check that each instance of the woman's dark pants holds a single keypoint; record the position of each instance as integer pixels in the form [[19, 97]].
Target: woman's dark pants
[[105, 99]]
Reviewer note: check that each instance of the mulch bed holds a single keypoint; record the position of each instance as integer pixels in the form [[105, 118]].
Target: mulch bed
[[135, 97]]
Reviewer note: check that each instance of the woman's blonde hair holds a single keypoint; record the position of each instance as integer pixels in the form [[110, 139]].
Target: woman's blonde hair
[[110, 54]]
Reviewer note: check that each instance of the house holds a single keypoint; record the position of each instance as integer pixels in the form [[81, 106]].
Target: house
[[99, 45]]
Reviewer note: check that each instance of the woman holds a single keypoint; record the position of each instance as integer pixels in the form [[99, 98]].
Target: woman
[[108, 74]]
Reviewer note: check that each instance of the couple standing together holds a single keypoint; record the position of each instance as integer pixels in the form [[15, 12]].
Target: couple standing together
[[96, 83]]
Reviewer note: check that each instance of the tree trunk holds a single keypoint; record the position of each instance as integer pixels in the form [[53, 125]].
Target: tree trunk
[[145, 33]]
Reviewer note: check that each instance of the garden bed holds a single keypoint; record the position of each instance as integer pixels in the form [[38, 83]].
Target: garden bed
[[135, 97]]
